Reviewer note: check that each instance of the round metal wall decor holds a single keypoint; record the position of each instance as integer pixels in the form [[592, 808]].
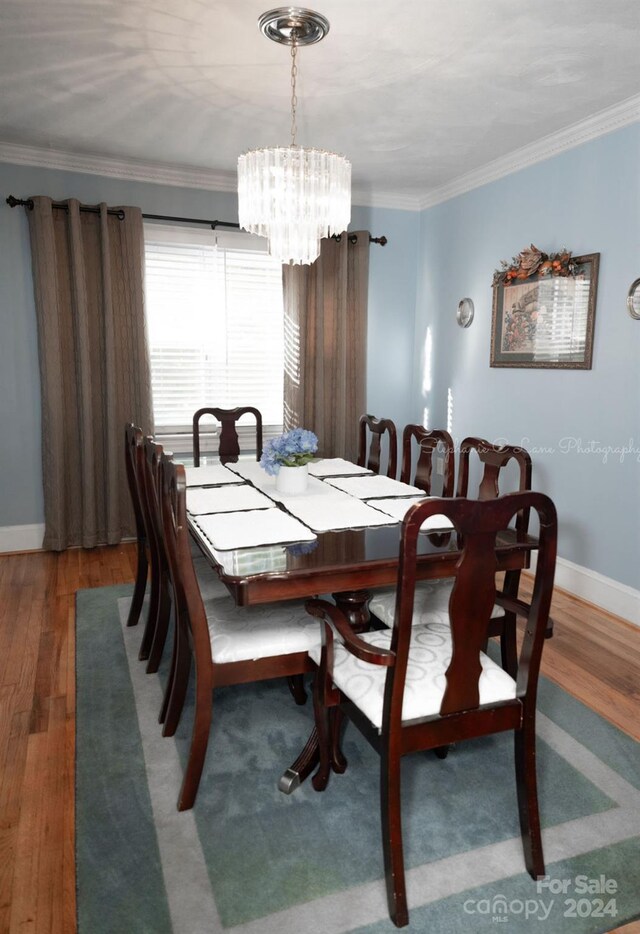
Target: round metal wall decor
[[633, 300], [465, 312]]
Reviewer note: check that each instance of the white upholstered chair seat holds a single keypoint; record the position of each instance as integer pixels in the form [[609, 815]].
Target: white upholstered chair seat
[[429, 657], [246, 633], [430, 603]]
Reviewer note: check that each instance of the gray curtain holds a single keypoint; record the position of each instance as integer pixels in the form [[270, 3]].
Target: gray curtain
[[88, 271], [326, 344]]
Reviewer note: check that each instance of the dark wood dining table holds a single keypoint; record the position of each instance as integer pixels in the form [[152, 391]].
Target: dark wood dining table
[[347, 564]]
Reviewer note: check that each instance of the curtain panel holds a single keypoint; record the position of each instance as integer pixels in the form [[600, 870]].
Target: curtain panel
[[88, 273], [325, 306]]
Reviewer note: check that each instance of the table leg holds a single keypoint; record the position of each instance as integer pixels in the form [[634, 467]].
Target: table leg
[[355, 606]]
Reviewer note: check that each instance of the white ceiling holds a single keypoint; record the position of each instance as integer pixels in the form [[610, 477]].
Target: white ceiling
[[417, 93]]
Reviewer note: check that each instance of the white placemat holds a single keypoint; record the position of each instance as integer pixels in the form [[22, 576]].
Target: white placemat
[[315, 488], [226, 499], [252, 471], [329, 511], [211, 475], [227, 531], [373, 487], [398, 508], [335, 467]]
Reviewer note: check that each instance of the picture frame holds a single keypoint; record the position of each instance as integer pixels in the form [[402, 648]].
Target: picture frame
[[544, 311]]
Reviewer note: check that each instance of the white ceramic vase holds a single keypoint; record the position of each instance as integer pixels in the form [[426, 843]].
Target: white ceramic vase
[[292, 481]]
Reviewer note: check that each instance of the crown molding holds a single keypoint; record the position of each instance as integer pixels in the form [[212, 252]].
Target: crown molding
[[384, 199], [599, 124], [162, 173], [159, 173]]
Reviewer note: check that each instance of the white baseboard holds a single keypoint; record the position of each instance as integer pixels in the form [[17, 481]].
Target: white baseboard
[[611, 595], [21, 537]]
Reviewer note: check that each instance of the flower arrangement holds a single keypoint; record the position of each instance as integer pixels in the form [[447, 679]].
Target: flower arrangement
[[532, 261], [294, 448]]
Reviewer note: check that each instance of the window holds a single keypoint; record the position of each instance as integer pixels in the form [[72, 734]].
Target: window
[[215, 328]]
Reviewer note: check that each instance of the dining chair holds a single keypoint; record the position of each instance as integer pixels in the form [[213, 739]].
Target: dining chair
[[208, 582], [133, 455], [493, 460], [382, 604], [369, 454], [229, 444], [228, 644], [423, 686], [210, 585], [155, 632], [435, 594], [429, 443], [143, 495]]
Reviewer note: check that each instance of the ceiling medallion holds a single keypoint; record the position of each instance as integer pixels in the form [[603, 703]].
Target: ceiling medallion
[[292, 195]]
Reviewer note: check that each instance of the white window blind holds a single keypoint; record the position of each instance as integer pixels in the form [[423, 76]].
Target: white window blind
[[215, 325]]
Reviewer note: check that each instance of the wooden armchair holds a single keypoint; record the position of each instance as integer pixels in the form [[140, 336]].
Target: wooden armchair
[[377, 428], [229, 446], [455, 692], [228, 644]]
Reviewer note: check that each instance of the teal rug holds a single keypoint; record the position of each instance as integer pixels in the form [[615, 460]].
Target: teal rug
[[250, 860]]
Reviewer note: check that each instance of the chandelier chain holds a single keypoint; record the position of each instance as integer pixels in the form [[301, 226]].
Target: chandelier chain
[[294, 75]]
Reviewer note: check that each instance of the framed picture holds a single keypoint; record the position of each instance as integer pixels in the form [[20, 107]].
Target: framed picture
[[544, 310]]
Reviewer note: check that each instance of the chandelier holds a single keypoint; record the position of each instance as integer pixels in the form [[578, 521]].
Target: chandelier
[[294, 196]]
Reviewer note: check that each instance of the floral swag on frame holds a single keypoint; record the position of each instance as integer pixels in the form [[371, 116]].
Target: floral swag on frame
[[532, 261]]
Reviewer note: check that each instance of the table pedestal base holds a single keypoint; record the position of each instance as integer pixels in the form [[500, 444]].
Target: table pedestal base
[[302, 768], [354, 605]]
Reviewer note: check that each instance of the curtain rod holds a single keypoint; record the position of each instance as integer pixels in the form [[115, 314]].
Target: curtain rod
[[119, 213]]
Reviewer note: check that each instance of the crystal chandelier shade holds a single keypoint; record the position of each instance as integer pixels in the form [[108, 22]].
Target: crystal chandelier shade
[[295, 197], [291, 195]]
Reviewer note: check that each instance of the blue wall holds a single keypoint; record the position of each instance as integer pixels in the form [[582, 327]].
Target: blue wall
[[392, 298], [587, 199]]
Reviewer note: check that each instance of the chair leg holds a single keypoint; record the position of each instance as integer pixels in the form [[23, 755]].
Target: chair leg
[[152, 613], [140, 586], [160, 628], [175, 648], [178, 683], [392, 836], [338, 760], [296, 686], [526, 783], [198, 748], [321, 777], [508, 646], [162, 715], [442, 751]]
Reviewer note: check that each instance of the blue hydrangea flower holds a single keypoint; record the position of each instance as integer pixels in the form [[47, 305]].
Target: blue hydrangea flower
[[292, 449]]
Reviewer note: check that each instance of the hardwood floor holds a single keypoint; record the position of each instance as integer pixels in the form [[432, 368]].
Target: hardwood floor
[[593, 655]]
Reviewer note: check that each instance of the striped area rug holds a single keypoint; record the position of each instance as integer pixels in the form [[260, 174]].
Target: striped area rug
[[250, 860]]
